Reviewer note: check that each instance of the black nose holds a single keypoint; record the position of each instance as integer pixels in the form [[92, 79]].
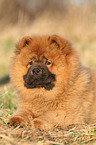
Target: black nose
[[36, 71]]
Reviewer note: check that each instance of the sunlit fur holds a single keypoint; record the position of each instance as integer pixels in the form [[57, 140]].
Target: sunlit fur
[[73, 97]]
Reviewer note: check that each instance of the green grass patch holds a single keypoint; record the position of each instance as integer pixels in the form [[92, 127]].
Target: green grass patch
[[8, 100], [8, 45]]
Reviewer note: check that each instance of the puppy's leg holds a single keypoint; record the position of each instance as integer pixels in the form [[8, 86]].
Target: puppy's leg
[[20, 118], [50, 119]]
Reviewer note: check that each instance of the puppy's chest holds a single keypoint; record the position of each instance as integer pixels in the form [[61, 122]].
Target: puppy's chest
[[40, 106]]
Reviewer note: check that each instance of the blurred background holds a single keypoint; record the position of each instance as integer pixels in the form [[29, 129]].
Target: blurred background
[[72, 19]]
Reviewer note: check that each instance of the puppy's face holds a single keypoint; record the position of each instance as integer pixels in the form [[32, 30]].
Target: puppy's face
[[38, 75], [41, 62]]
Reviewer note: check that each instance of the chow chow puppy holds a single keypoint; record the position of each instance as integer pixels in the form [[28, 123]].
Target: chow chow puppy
[[54, 89]]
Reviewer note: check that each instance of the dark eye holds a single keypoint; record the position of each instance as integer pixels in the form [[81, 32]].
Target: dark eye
[[31, 62], [47, 62]]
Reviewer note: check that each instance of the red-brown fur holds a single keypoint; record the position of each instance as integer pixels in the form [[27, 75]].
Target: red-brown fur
[[72, 100]]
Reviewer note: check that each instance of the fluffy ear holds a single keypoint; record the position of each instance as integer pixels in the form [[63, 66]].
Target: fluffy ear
[[22, 43], [61, 43]]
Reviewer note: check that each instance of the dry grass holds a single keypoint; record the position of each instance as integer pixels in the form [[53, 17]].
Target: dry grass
[[77, 25]]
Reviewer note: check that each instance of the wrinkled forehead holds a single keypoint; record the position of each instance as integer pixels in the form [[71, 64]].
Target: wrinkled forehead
[[37, 59]]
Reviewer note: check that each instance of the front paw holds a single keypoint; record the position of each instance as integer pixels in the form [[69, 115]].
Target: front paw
[[16, 121], [39, 123]]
